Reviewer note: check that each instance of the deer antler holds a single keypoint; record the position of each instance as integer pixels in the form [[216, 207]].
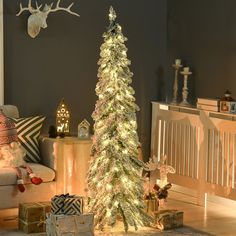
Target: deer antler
[[151, 165], [38, 6], [58, 8], [29, 8]]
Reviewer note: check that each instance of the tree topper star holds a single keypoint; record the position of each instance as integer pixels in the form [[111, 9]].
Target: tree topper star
[[112, 14]]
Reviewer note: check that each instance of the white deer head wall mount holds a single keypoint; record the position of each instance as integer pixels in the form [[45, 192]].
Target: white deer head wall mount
[[38, 17]]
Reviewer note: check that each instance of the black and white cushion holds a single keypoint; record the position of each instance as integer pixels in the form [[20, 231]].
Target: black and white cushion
[[28, 131]]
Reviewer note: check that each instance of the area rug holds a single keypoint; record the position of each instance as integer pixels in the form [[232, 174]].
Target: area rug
[[142, 232]]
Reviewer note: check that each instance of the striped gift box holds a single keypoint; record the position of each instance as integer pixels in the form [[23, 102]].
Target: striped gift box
[[66, 204]]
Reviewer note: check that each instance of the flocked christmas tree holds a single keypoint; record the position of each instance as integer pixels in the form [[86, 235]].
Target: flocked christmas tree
[[114, 179]]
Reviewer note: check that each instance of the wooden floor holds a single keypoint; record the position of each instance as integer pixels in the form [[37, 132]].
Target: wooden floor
[[215, 218]]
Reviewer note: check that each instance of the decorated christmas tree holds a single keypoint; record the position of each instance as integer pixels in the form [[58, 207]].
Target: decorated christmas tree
[[114, 178]]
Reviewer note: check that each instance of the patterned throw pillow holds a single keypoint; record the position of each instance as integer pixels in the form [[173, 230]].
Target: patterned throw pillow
[[28, 130], [8, 132]]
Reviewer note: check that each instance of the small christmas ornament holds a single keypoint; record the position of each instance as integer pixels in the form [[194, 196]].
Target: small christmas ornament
[[63, 119], [83, 129]]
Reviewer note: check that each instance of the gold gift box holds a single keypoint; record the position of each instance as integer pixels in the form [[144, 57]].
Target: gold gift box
[[168, 219], [151, 206], [32, 216]]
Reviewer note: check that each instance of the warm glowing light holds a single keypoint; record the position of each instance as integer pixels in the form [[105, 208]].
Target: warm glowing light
[[110, 90], [106, 142], [109, 40], [99, 123], [124, 179], [129, 184], [133, 122], [125, 151], [108, 213], [63, 118], [124, 134], [136, 202], [115, 146], [108, 187]]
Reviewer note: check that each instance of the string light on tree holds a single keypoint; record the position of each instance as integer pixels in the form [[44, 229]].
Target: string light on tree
[[118, 189]]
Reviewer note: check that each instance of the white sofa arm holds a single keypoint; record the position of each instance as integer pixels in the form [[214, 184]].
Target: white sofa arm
[[46, 147]]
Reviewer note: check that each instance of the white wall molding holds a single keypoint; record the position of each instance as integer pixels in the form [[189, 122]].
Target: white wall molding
[[1, 55]]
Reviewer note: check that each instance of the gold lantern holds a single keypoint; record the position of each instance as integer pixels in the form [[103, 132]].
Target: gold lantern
[[63, 119]]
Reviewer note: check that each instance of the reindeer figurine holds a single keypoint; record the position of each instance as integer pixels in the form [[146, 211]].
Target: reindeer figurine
[[162, 166], [38, 17]]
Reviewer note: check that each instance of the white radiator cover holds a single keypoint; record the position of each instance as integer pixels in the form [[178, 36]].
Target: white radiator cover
[[200, 145]]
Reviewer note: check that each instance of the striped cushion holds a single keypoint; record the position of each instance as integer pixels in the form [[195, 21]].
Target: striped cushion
[[28, 130]]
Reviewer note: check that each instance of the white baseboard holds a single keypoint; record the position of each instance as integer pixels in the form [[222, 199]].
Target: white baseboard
[[192, 196]]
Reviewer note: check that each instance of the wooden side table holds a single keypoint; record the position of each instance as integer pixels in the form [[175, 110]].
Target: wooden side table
[[72, 156]]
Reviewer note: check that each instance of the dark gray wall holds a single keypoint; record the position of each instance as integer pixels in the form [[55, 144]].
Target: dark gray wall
[[203, 34], [62, 60]]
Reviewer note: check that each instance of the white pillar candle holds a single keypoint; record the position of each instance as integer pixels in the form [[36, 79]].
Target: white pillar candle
[[177, 62], [186, 69]]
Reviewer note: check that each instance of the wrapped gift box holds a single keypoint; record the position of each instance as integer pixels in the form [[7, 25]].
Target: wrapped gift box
[[73, 225], [151, 206], [32, 216], [168, 219], [66, 204]]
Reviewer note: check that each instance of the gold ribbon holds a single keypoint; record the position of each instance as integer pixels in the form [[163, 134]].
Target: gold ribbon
[[30, 223], [42, 221]]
